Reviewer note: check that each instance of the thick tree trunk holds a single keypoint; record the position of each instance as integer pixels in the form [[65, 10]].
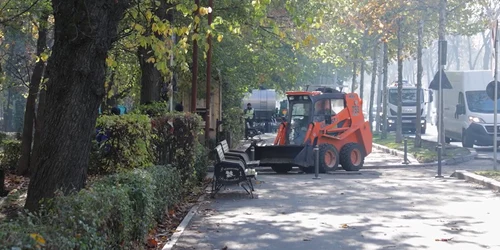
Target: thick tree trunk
[[384, 87], [151, 78], [399, 123], [84, 33], [38, 130], [373, 86], [418, 134], [29, 114]]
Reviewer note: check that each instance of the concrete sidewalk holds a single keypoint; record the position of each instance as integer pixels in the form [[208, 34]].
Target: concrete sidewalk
[[404, 208]]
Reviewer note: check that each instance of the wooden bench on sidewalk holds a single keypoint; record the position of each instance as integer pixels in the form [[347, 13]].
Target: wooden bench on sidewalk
[[231, 172]]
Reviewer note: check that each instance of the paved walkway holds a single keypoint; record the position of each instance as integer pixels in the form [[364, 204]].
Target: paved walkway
[[377, 209]]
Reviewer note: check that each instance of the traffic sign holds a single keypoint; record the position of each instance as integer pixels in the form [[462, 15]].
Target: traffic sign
[[445, 83], [490, 90]]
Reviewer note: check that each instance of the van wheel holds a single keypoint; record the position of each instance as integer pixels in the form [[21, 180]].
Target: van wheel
[[447, 140], [467, 141]]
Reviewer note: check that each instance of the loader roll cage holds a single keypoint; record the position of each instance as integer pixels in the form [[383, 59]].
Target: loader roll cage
[[304, 105]]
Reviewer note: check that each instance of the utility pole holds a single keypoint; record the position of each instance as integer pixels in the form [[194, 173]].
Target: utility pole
[[209, 75], [495, 118], [194, 75], [441, 62]]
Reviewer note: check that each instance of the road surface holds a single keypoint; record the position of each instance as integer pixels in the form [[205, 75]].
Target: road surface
[[379, 209], [483, 152]]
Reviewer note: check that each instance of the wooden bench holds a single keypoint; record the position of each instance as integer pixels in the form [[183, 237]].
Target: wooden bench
[[230, 172], [236, 154]]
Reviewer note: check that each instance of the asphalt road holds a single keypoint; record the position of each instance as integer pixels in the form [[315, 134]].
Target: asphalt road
[[378, 209], [483, 152]]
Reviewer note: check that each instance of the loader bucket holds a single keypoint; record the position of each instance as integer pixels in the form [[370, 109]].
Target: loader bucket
[[298, 155]]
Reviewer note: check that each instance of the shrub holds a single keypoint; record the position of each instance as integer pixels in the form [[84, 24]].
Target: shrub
[[176, 137], [11, 154], [153, 110], [125, 143], [201, 163], [113, 213]]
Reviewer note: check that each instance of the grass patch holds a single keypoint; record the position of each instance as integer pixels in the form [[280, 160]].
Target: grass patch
[[490, 174], [426, 154]]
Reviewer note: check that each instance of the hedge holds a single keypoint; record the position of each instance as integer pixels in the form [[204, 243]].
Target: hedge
[[11, 154], [115, 212], [176, 141], [122, 143]]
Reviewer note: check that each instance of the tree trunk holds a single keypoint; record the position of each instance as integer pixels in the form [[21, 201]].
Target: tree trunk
[[418, 127], [353, 84], [8, 112], [84, 33], [487, 51], [151, 78], [373, 86], [38, 130], [399, 123], [384, 87], [3, 192], [457, 52], [378, 121], [29, 114]]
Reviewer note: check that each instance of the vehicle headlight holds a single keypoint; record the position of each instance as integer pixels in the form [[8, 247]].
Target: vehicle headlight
[[476, 119]]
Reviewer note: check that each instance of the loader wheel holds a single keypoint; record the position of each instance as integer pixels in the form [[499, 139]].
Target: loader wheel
[[352, 157], [328, 158], [282, 169]]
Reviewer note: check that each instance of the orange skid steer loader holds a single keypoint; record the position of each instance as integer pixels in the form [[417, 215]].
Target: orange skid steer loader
[[332, 120]]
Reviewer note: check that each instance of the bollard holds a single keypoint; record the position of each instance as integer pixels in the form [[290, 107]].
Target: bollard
[[252, 153], [439, 153], [405, 160], [316, 162]]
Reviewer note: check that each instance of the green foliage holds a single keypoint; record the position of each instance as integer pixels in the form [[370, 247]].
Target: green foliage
[[201, 162], [115, 212], [128, 146], [11, 154], [176, 139], [153, 110]]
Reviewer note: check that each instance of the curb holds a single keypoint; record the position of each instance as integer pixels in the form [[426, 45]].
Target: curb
[[184, 223], [478, 179], [452, 161]]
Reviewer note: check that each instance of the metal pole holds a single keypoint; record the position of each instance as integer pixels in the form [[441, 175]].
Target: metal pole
[[194, 75], [316, 162], [495, 121], [171, 89], [439, 152], [209, 76], [406, 162]]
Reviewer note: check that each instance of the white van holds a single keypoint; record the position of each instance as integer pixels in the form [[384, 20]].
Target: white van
[[468, 111]]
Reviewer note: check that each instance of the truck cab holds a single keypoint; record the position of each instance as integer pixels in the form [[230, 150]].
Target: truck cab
[[468, 111], [409, 107]]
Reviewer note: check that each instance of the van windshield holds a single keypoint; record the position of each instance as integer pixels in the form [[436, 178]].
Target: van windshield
[[478, 101]]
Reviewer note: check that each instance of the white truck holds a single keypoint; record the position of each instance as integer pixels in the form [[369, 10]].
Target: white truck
[[409, 108], [468, 111]]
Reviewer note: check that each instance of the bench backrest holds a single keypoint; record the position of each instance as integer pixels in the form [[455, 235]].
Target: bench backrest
[[225, 146], [220, 153]]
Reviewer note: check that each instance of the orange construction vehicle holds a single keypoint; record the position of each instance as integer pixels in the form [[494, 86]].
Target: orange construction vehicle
[[328, 118]]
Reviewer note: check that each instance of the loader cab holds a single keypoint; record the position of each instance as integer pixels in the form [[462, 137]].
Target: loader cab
[[305, 109]]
